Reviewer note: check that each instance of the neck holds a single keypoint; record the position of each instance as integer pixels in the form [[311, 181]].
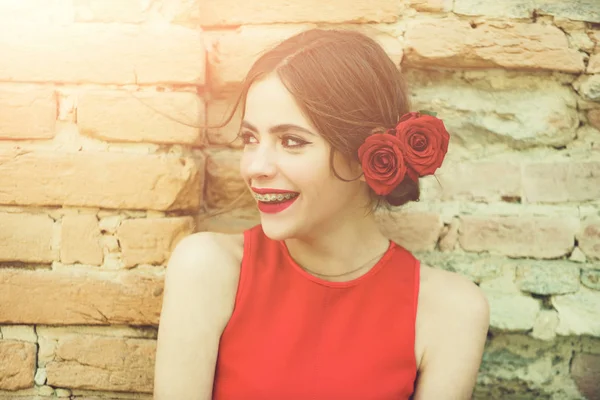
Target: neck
[[341, 248]]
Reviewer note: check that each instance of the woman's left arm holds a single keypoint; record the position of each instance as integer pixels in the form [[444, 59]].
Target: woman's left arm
[[455, 330]]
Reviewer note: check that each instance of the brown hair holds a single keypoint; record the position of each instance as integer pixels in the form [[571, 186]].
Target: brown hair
[[346, 85]]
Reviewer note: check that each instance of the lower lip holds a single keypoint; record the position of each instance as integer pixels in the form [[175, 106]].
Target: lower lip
[[274, 208]]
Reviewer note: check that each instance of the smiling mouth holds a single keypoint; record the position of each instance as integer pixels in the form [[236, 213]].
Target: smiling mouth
[[275, 197], [273, 203]]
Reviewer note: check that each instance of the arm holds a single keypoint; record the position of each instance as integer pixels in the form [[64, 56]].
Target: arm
[[457, 322], [200, 286]]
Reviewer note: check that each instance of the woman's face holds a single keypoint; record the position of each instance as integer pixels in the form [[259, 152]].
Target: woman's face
[[285, 163]]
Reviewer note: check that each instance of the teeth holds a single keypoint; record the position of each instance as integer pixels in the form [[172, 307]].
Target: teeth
[[274, 196]]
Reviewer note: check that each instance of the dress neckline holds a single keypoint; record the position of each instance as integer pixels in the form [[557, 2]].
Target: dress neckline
[[341, 284]]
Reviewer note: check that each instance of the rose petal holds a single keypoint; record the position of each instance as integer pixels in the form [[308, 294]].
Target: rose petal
[[423, 160], [382, 161]]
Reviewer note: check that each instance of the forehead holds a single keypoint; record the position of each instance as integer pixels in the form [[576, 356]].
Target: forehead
[[268, 103]]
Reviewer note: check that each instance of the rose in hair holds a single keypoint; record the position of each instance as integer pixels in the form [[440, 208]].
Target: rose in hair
[[410, 115], [424, 143], [382, 162]]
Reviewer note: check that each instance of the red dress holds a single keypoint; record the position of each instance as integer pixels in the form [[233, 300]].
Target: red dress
[[293, 336]]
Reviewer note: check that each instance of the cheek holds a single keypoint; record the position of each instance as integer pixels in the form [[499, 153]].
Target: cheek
[[308, 172]]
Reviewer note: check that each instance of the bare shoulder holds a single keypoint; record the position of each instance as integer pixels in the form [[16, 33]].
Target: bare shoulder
[[200, 288], [452, 325], [207, 261], [210, 244], [452, 295]]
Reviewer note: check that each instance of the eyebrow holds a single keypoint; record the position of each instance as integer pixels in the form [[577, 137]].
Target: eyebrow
[[278, 128]]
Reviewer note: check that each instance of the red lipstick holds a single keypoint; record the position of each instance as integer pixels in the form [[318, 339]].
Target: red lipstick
[[274, 208], [269, 207]]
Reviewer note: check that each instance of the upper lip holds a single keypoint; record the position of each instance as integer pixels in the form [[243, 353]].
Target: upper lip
[[269, 191]]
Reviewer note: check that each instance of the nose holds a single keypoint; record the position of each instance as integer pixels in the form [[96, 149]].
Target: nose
[[260, 163]]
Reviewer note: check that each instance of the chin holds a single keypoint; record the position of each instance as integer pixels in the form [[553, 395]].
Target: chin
[[277, 230], [286, 224]]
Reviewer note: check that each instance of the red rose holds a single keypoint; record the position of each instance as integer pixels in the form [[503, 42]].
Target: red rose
[[424, 143], [410, 115], [382, 162]]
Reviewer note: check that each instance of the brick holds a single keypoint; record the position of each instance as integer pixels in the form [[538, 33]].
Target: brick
[[588, 140], [505, 9], [449, 236], [80, 240], [560, 182], [476, 267], [585, 370], [142, 116], [594, 64], [86, 297], [455, 44], [182, 12], [234, 12], [588, 87], [97, 179], [544, 327], [124, 11], [589, 238], [235, 51], [590, 345], [510, 310], [521, 367], [578, 10], [22, 333], [110, 223], [151, 240], [431, 5], [479, 117], [522, 236], [54, 333], [224, 186], [416, 231], [578, 312], [471, 181], [577, 36], [17, 364], [548, 277], [68, 394], [577, 256], [40, 377], [27, 112], [392, 46], [103, 363], [37, 11], [26, 237], [101, 53], [591, 279], [594, 117]]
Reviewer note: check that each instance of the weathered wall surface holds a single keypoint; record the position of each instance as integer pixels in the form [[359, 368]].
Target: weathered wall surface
[[103, 168]]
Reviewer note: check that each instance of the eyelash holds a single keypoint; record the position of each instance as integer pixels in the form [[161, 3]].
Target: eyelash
[[246, 136]]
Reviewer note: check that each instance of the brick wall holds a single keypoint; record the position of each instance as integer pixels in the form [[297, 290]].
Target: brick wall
[[104, 167]]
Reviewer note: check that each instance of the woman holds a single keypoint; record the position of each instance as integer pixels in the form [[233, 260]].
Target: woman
[[315, 303]]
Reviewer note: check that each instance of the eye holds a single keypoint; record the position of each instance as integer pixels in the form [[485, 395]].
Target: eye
[[293, 142], [248, 137]]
